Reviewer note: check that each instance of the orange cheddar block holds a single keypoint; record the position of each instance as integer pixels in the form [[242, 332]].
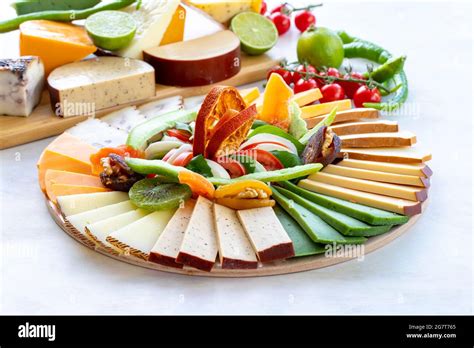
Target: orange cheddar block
[[276, 99], [67, 153], [66, 190], [56, 43], [54, 176], [175, 31]]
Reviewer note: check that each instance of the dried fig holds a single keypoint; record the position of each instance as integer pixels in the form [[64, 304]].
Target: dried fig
[[117, 175], [323, 147]]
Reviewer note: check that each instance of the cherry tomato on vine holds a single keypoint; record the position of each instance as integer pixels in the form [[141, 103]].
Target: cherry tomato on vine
[[281, 21], [280, 9], [263, 8], [333, 72], [351, 87], [366, 95], [305, 85], [304, 20], [287, 75], [332, 92], [304, 69]]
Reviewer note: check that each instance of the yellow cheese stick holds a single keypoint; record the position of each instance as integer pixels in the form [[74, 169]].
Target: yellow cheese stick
[[325, 108], [250, 94], [416, 169], [307, 97]]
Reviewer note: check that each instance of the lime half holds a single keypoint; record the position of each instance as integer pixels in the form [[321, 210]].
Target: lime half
[[111, 30], [257, 33]]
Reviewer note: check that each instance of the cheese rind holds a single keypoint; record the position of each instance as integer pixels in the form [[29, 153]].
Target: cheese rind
[[421, 169], [235, 249], [166, 249], [75, 204], [344, 114], [379, 139], [396, 205], [407, 154], [267, 235], [199, 246], [364, 127]]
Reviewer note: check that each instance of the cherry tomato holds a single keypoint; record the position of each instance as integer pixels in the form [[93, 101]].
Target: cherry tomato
[[333, 72], [351, 87], [265, 158], [366, 95], [234, 167], [263, 9], [305, 85], [179, 134], [331, 93], [304, 20], [287, 75], [281, 21], [280, 9], [303, 69]]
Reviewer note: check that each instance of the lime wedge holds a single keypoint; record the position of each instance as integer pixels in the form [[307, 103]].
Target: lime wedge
[[257, 33], [111, 30]]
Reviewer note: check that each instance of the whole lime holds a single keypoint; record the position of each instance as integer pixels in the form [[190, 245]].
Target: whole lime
[[320, 47]]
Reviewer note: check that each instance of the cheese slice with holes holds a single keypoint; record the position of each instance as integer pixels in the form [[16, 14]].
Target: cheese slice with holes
[[75, 204]]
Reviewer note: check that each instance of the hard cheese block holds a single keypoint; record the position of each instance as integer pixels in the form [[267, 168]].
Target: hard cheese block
[[235, 249], [364, 127], [406, 154], [396, 205], [344, 114], [76, 204], [379, 139], [166, 249], [268, 237], [56, 43], [82, 88], [138, 238], [223, 10], [199, 246], [399, 191], [54, 176], [417, 169], [99, 231], [68, 153], [21, 85], [377, 176]]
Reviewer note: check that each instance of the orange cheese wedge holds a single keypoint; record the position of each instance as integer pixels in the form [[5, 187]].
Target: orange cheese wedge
[[54, 176], [175, 31], [66, 190], [56, 43], [276, 101]]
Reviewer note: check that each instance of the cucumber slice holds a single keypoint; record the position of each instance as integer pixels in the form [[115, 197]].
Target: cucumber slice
[[361, 212], [318, 230]]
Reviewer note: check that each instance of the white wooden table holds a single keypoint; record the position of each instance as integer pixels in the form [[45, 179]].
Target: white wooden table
[[426, 271]]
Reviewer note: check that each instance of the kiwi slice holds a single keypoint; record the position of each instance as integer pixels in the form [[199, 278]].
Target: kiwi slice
[[154, 194]]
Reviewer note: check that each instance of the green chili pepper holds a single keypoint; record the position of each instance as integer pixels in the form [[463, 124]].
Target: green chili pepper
[[62, 16], [367, 50], [398, 98], [387, 70]]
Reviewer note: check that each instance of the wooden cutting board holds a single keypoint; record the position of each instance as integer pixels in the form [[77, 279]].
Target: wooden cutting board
[[43, 123]]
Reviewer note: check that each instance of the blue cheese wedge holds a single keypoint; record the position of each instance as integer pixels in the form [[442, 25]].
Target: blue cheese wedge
[[139, 237], [98, 134], [99, 231], [124, 119], [21, 85], [75, 204], [199, 246], [268, 237], [166, 249], [161, 107], [85, 87], [235, 249]]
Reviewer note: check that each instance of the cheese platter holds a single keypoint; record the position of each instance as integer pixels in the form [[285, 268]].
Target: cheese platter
[[163, 161]]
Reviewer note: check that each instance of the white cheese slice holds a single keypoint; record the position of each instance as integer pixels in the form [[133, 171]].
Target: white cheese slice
[[79, 221], [161, 107], [124, 119], [138, 238], [166, 249], [199, 247], [98, 133], [75, 204], [268, 237], [235, 249], [193, 102], [99, 231]]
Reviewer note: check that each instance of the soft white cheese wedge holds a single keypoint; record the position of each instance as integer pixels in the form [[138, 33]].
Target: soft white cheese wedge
[[75, 204], [98, 134], [161, 107], [79, 221], [152, 18], [199, 247], [21, 85], [99, 231], [124, 119], [235, 249], [268, 237], [166, 249], [138, 238]]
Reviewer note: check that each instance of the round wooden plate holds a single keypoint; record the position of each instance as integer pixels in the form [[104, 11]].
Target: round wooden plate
[[298, 264]]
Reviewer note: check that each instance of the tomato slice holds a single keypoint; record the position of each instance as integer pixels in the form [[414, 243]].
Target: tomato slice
[[179, 134], [183, 159], [265, 158], [234, 167]]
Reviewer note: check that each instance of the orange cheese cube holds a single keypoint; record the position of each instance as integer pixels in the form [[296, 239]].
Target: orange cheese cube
[[56, 43], [66, 190], [54, 176], [175, 31]]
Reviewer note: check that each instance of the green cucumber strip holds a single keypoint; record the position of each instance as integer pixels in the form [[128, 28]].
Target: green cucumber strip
[[159, 167], [302, 244], [372, 216], [277, 131], [140, 136], [286, 158], [199, 165], [344, 224], [327, 121], [274, 175], [318, 230]]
